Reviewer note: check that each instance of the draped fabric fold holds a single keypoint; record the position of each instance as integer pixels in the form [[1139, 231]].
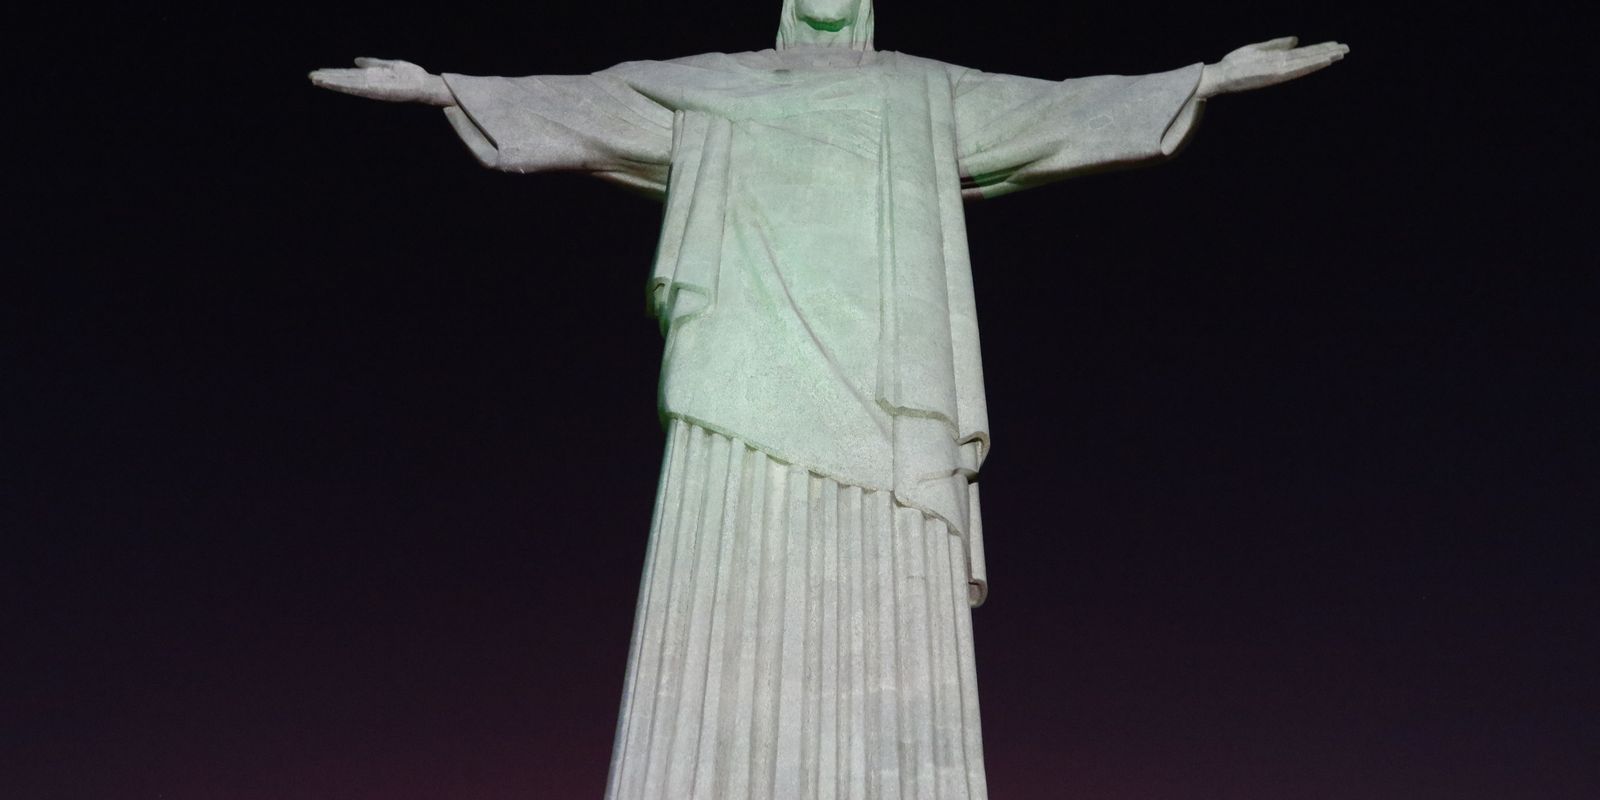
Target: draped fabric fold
[[684, 279]]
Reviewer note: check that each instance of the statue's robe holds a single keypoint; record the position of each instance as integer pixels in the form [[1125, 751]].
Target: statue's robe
[[803, 625]]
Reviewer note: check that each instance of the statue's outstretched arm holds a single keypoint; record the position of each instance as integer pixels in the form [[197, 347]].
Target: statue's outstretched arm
[[384, 79], [1015, 133], [585, 123], [1255, 66]]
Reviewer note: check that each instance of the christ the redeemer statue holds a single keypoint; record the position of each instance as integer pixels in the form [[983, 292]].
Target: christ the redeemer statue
[[804, 626]]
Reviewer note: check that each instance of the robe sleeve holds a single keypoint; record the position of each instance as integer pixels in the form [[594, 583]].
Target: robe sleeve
[[1016, 133], [586, 123]]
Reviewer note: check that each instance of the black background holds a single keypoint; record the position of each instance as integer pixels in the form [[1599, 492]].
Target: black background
[[326, 456]]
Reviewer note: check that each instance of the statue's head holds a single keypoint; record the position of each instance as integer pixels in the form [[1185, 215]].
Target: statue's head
[[826, 23]]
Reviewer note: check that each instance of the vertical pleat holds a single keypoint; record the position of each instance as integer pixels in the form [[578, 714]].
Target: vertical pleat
[[949, 761], [764, 725], [737, 733], [825, 777], [972, 734], [786, 767], [886, 735], [916, 717], [852, 625], [796, 639]]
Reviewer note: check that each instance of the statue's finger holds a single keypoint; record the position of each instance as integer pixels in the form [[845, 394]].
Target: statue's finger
[[1316, 61], [374, 63], [339, 79], [1333, 49]]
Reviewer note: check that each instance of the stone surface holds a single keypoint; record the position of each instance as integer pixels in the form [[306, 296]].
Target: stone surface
[[822, 381]]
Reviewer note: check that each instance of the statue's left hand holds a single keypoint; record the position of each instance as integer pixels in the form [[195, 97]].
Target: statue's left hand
[[1266, 63], [385, 79]]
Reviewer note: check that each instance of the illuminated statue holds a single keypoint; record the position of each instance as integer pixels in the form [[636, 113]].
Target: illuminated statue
[[804, 628]]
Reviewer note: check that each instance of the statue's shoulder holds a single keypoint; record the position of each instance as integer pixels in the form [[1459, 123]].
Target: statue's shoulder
[[710, 62], [908, 61], [729, 62]]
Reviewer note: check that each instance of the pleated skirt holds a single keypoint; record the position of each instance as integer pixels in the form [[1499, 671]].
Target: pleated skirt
[[796, 638]]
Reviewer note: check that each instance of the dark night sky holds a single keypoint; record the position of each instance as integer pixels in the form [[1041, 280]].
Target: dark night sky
[[326, 456]]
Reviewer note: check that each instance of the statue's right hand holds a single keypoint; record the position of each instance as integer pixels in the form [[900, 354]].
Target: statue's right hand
[[379, 79]]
